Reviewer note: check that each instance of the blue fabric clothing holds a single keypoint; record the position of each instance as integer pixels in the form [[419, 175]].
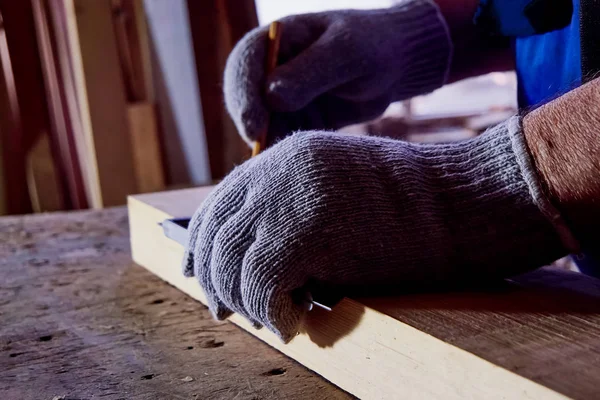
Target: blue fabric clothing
[[548, 65]]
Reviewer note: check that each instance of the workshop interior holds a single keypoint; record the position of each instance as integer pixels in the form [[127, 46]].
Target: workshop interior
[[115, 130]]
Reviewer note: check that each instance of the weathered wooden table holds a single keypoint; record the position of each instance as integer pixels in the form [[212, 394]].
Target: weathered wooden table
[[79, 320]]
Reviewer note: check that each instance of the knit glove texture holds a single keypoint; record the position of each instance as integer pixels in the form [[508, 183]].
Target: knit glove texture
[[366, 211], [336, 68]]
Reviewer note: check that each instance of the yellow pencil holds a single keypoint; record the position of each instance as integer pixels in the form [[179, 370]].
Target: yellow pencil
[[270, 64]]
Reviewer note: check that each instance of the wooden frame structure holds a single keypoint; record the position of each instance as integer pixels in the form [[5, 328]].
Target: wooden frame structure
[[24, 117], [78, 122], [537, 337], [225, 22]]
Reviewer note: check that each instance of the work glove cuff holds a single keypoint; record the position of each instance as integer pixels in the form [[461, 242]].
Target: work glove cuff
[[427, 47]]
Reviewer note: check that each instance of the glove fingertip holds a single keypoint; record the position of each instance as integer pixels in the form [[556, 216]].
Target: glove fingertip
[[285, 322], [253, 121], [287, 337], [256, 324], [219, 311]]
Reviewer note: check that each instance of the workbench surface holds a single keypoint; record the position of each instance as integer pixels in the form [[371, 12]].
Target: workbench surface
[[79, 320]]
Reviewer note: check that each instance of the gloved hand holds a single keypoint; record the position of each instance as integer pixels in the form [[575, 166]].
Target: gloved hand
[[366, 211], [336, 68]]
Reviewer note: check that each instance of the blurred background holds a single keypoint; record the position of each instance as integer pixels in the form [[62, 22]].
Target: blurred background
[[104, 98]]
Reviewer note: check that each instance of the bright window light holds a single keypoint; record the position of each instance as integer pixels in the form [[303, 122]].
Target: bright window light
[[270, 10]]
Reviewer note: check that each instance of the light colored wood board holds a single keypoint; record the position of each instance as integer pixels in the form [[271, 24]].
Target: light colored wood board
[[533, 339], [106, 100], [64, 24], [42, 178], [127, 45], [85, 142], [81, 321], [149, 170], [60, 128], [175, 203], [134, 51], [143, 36]]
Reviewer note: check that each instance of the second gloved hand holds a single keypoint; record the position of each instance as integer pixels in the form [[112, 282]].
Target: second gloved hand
[[336, 68], [366, 211]]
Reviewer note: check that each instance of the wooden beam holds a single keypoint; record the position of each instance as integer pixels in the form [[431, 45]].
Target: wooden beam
[[61, 129], [536, 337], [215, 27], [28, 111], [15, 196], [134, 53], [146, 147], [132, 40], [62, 13], [105, 91], [144, 58], [42, 178]]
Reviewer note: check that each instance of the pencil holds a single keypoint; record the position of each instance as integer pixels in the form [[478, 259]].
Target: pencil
[[270, 64]]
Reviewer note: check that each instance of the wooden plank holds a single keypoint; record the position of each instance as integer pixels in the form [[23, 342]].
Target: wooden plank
[[42, 178], [61, 129], [81, 321], [144, 56], [128, 48], [535, 338], [134, 55], [15, 197], [106, 99], [131, 30], [215, 27], [76, 106], [28, 113], [146, 147]]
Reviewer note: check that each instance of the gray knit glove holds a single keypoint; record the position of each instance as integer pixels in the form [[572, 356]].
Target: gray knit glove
[[366, 211], [336, 68]]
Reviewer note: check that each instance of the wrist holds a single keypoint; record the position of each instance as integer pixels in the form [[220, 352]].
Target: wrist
[[563, 138]]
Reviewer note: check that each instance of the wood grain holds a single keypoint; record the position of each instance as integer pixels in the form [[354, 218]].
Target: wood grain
[[145, 143], [80, 320], [15, 197], [107, 102], [61, 130], [131, 29], [534, 337], [27, 115], [42, 178], [216, 26], [143, 54], [68, 50]]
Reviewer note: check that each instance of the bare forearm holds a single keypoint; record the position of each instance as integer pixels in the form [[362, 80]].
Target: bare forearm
[[564, 139], [473, 55]]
